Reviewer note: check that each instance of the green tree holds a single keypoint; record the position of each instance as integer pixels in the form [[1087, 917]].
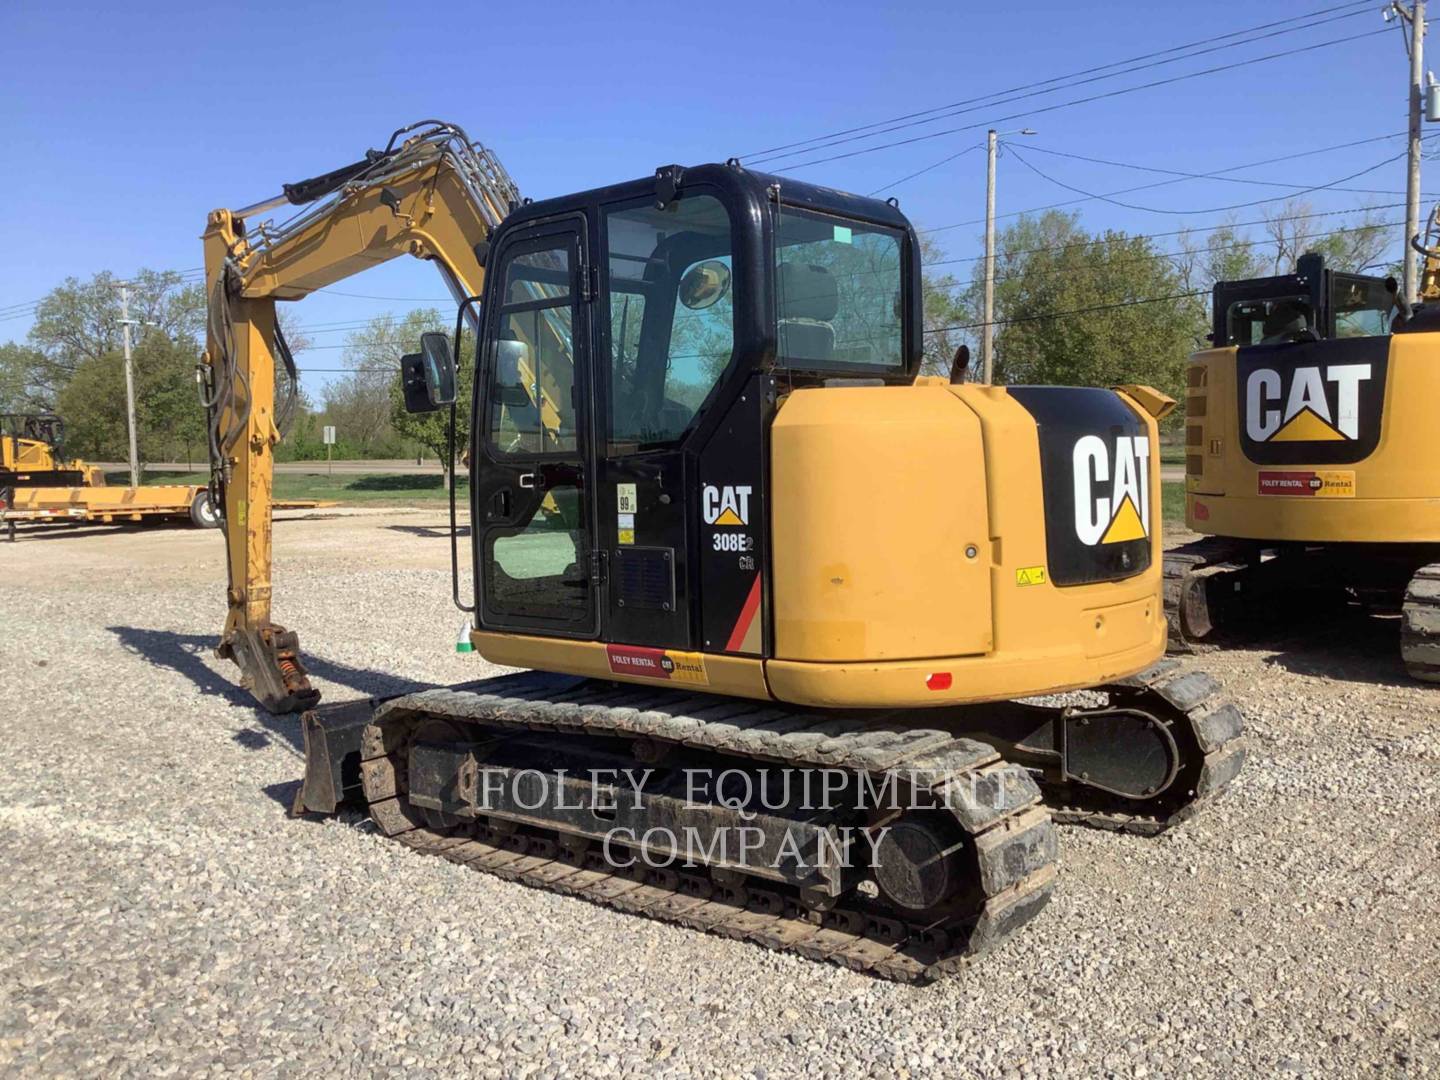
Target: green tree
[[92, 402], [358, 403], [79, 321], [169, 422], [945, 309], [1082, 309], [18, 365]]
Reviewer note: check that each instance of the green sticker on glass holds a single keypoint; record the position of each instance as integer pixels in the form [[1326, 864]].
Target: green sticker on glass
[[842, 234]]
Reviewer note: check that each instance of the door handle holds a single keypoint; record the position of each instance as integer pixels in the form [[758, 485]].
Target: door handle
[[500, 504], [528, 480]]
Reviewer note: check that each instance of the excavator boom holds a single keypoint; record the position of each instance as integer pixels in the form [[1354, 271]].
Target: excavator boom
[[432, 193]]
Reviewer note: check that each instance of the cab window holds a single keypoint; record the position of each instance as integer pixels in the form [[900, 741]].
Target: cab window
[[1270, 321], [1361, 305], [838, 292], [671, 317], [531, 393]]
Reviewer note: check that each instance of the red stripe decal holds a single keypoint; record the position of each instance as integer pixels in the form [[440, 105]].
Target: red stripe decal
[[747, 616]]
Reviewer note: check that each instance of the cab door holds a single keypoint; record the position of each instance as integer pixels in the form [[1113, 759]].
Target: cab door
[[531, 501]]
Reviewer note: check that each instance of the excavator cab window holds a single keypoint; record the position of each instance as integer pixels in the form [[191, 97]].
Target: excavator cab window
[[838, 292], [532, 407], [1271, 321], [671, 317], [1361, 306]]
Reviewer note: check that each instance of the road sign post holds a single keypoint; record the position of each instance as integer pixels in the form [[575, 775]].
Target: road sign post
[[329, 443]]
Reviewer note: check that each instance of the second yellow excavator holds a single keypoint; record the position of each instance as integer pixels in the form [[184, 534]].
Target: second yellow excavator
[[1310, 461], [778, 592]]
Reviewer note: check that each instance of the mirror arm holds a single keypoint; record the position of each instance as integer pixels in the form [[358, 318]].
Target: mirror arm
[[450, 449]]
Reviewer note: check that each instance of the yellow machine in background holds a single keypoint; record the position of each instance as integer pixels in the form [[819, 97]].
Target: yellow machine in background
[[30, 454], [1311, 450], [717, 511]]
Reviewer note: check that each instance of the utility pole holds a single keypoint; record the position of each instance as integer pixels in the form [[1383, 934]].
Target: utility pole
[[987, 332], [125, 324], [1415, 17]]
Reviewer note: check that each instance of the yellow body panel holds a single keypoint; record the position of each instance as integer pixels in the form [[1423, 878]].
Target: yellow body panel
[[1396, 490], [877, 493], [873, 509]]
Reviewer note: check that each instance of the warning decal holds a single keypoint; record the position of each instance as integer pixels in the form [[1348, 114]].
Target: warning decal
[[1318, 483], [670, 664], [1030, 575]]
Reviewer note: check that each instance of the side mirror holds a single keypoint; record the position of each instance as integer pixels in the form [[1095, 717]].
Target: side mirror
[[439, 369], [412, 384]]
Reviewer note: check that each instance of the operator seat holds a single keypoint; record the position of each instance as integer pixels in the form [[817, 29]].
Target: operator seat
[[808, 300], [1288, 320]]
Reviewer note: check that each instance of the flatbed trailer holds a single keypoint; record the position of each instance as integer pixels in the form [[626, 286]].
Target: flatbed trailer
[[119, 505]]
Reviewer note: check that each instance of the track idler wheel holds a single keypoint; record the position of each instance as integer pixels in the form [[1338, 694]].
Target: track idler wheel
[[919, 863]]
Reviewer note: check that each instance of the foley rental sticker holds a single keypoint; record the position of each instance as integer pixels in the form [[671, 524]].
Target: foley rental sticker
[[669, 664], [1309, 483]]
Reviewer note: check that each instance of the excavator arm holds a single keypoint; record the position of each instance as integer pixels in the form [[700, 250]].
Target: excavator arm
[[432, 193]]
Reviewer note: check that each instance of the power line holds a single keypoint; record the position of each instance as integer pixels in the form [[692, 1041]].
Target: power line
[[1182, 174], [1074, 311], [1086, 100], [393, 299], [307, 370], [1207, 210], [1153, 256], [1215, 174], [1034, 87], [13, 311], [1172, 232], [922, 172]]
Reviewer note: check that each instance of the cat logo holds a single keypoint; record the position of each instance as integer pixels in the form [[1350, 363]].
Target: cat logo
[[1112, 490], [1322, 404], [729, 505]]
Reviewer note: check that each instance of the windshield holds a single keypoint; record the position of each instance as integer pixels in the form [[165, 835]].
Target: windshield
[[838, 292]]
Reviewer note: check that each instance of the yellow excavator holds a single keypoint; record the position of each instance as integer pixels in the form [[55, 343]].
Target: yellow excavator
[[1310, 461], [777, 592]]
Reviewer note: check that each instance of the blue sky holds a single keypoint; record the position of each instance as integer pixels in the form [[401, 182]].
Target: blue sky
[[126, 124]]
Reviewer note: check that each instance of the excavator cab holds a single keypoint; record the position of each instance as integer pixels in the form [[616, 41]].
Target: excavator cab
[[1315, 303], [635, 342]]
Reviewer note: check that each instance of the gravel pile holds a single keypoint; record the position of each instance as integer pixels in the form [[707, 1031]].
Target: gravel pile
[[163, 915]]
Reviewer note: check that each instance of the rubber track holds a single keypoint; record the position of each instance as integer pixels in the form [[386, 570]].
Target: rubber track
[[1192, 703], [1420, 625], [1211, 555], [997, 803]]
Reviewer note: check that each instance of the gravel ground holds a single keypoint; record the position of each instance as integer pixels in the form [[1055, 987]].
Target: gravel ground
[[163, 915]]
